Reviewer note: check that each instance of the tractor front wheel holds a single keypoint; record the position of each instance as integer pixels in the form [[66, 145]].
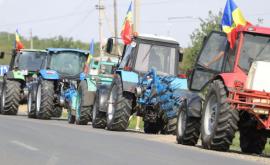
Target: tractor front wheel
[[119, 108], [99, 118], [188, 128], [31, 106], [219, 122], [44, 99], [85, 102]]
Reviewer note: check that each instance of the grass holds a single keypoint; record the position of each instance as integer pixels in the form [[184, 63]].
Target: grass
[[132, 123]]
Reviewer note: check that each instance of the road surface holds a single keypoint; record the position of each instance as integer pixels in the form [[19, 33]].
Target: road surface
[[35, 142]]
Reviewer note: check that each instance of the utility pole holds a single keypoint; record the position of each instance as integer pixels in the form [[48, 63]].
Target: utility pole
[[101, 9], [31, 40], [137, 7], [116, 26]]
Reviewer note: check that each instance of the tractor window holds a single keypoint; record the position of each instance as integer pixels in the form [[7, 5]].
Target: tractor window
[[161, 58], [230, 59], [213, 52], [68, 63], [126, 57], [255, 48], [31, 61]]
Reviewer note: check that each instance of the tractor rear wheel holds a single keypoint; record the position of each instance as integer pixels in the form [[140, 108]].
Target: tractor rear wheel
[[119, 108], [99, 118], [44, 99], [188, 128], [252, 140], [219, 122], [10, 97], [84, 99]]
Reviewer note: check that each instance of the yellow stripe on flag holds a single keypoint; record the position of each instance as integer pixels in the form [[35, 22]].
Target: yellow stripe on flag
[[238, 17]]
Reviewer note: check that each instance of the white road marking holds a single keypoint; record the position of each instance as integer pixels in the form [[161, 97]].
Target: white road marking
[[26, 146]]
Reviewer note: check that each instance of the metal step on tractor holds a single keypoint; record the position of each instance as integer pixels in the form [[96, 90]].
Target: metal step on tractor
[[57, 82], [238, 93], [95, 85], [145, 83], [23, 68]]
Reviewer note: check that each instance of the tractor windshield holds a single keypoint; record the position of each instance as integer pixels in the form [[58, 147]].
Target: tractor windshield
[[68, 63], [255, 48], [30, 61], [161, 58], [106, 69]]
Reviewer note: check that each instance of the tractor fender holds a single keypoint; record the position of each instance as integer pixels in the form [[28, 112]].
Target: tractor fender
[[14, 75], [129, 79], [192, 101], [103, 94], [49, 74]]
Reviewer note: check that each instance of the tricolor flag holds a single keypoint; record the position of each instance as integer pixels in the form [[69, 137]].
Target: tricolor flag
[[18, 43], [126, 32], [232, 20], [91, 54]]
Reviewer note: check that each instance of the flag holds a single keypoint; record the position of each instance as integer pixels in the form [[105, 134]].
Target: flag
[[126, 32], [92, 52], [232, 20], [18, 43]]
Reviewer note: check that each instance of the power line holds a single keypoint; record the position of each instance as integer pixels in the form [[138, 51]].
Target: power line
[[32, 21]]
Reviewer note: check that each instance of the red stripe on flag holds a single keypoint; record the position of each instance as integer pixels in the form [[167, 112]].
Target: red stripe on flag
[[126, 33]]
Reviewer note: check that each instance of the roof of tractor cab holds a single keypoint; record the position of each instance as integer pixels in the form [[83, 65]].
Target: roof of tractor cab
[[152, 37], [256, 29], [33, 50], [56, 50]]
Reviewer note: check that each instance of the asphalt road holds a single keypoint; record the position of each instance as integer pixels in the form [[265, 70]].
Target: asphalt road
[[34, 142]]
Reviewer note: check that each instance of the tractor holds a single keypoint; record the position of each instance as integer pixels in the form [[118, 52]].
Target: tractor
[[145, 78], [96, 87], [57, 82], [237, 93], [23, 68]]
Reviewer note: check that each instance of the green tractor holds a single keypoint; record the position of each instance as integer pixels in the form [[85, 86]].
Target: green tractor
[[98, 77], [23, 67]]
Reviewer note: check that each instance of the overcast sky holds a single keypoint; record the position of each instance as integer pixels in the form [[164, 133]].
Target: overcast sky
[[79, 18]]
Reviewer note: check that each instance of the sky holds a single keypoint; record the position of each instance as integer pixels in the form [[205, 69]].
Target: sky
[[79, 18]]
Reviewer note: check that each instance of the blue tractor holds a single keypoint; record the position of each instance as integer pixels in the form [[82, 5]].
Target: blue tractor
[[57, 82], [145, 83]]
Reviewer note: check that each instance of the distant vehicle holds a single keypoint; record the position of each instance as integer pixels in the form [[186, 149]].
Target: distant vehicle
[[95, 85], [56, 84], [23, 68], [238, 93]]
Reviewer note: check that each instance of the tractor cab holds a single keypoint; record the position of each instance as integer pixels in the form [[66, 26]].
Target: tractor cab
[[67, 63], [150, 51], [233, 65]]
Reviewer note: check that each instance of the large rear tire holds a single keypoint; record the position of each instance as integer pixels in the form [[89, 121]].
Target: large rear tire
[[219, 122], [45, 99], [188, 128], [10, 97], [84, 110], [99, 118], [252, 140], [119, 108], [169, 126]]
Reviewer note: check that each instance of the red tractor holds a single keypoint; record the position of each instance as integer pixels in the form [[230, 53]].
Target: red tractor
[[237, 88]]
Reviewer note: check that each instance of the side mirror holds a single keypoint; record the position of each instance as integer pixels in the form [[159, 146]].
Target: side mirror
[[2, 55], [181, 54], [109, 46]]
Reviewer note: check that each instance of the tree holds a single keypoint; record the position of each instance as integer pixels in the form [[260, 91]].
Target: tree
[[213, 22]]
